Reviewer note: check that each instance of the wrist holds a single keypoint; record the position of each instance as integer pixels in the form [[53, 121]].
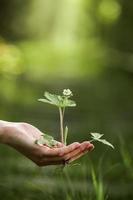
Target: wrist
[[3, 125]]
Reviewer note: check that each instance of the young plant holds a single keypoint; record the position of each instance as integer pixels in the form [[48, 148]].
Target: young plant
[[61, 102]]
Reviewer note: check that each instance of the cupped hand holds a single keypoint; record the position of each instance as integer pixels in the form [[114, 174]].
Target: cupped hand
[[22, 137]]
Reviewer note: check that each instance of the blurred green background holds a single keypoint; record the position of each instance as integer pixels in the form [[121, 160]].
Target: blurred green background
[[84, 45]]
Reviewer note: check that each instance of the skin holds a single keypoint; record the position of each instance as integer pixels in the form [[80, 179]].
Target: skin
[[22, 136]]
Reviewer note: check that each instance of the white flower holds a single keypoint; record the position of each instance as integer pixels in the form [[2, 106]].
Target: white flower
[[67, 92]]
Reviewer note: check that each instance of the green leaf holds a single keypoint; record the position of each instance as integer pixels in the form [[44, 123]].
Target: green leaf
[[46, 140], [45, 101], [96, 135], [47, 137], [41, 141], [105, 142], [57, 100], [69, 103], [54, 99]]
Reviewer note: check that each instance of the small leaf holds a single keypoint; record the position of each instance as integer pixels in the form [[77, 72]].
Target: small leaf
[[96, 135], [105, 142], [71, 103], [68, 103], [41, 141], [54, 99], [47, 137], [46, 140], [45, 101]]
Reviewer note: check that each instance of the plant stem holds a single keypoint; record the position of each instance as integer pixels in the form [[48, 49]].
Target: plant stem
[[61, 125], [63, 112]]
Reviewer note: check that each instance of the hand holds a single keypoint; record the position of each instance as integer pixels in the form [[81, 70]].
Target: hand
[[22, 137]]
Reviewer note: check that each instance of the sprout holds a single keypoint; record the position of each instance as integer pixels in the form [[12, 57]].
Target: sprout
[[61, 102]]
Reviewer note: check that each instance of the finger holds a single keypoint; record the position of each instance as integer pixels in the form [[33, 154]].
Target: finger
[[77, 156], [85, 146], [72, 154], [90, 147], [66, 157], [53, 152], [67, 149]]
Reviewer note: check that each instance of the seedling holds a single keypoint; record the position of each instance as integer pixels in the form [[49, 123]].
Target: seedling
[[61, 102]]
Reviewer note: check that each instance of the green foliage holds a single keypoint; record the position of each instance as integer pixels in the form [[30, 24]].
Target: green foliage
[[97, 137], [57, 100], [46, 139]]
